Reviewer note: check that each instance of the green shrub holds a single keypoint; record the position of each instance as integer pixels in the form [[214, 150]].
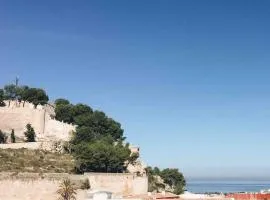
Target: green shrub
[[12, 136], [30, 133], [85, 185], [3, 138]]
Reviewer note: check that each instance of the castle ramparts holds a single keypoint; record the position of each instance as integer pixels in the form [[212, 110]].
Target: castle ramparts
[[16, 115]]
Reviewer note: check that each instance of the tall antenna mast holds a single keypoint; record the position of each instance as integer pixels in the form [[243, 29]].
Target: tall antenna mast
[[17, 81]]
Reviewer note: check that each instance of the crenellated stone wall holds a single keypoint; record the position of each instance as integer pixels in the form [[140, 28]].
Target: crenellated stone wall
[[16, 115]]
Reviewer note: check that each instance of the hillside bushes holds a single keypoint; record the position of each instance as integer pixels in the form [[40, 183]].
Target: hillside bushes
[[36, 161], [97, 144], [30, 133], [23, 93], [2, 103], [3, 138], [167, 179]]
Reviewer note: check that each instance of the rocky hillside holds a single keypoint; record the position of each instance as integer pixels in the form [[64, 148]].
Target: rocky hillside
[[38, 161]]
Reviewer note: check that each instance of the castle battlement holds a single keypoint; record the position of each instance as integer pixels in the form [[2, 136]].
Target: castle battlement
[[15, 115]]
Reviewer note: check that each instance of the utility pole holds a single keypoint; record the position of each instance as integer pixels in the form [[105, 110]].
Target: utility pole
[[17, 81]]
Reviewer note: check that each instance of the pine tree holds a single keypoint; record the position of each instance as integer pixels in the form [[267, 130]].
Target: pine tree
[[12, 136], [30, 133], [3, 138]]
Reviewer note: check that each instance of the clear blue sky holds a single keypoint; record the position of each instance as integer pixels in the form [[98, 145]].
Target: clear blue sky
[[188, 80]]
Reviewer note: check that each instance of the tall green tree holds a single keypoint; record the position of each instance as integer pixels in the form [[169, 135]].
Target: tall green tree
[[10, 92], [99, 124], [68, 113], [61, 101], [101, 156], [97, 142], [23, 94], [12, 136], [81, 109], [174, 179], [154, 183], [171, 177], [30, 133], [63, 112], [36, 96], [2, 103], [84, 134]]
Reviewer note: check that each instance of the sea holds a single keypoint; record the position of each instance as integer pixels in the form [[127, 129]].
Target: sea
[[226, 186]]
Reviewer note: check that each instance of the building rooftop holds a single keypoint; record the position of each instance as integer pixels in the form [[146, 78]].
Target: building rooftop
[[151, 196]]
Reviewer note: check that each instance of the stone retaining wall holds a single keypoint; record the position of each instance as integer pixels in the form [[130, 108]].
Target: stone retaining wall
[[124, 184], [45, 145], [34, 186]]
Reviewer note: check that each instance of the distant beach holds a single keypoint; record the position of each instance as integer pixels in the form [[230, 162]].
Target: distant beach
[[226, 186]]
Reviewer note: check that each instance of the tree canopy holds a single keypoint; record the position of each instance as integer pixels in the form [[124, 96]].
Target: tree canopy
[[35, 96], [12, 136], [97, 143], [25, 93], [101, 156], [61, 102], [2, 103], [63, 112], [10, 92], [91, 124], [171, 177], [3, 137]]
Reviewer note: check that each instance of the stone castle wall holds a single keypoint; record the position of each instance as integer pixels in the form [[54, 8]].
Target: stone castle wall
[[16, 115], [31, 186], [124, 184], [28, 186]]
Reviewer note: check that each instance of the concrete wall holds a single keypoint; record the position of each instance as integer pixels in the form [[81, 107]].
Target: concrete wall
[[16, 116], [32, 187], [124, 184]]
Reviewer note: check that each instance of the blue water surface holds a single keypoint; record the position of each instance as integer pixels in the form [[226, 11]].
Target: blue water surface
[[225, 186]]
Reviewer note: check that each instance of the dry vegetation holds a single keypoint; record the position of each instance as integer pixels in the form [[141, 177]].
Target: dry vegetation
[[25, 160]]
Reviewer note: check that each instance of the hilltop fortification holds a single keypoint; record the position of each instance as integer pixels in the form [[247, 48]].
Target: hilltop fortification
[[16, 115]]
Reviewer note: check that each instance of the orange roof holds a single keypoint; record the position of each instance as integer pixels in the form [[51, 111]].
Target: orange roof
[[159, 196]]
